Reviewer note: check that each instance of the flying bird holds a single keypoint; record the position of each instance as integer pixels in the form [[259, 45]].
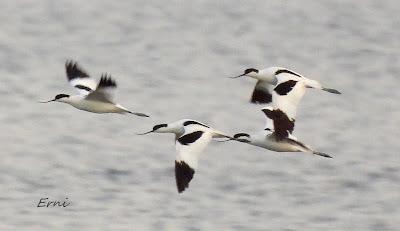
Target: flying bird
[[277, 136], [268, 78], [92, 97], [191, 139]]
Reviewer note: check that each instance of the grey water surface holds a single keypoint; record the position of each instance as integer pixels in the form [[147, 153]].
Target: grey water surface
[[171, 59]]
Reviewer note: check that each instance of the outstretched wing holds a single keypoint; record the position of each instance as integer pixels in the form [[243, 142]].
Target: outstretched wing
[[188, 147], [285, 73], [78, 78], [262, 93], [286, 96], [269, 123], [104, 90], [288, 93], [283, 125]]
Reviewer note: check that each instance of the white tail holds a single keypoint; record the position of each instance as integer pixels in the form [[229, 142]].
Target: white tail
[[308, 149], [315, 84], [310, 83], [322, 154]]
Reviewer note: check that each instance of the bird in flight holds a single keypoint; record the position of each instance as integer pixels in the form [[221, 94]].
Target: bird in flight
[[268, 78], [277, 136], [92, 97], [191, 139]]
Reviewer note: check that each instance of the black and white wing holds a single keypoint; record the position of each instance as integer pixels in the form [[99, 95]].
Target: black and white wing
[[285, 73], [286, 96], [78, 78], [269, 123], [262, 93], [188, 148], [104, 90], [310, 83], [283, 126], [288, 93]]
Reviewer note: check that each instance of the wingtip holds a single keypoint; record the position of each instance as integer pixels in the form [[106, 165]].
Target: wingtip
[[323, 154], [138, 114], [183, 175], [106, 80], [73, 70], [331, 90], [69, 62], [260, 96]]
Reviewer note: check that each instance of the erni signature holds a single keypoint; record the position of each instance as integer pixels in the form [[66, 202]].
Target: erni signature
[[44, 202]]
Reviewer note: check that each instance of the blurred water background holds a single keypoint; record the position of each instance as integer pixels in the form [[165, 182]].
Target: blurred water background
[[171, 60]]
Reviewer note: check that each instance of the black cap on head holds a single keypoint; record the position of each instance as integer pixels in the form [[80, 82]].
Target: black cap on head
[[240, 135], [158, 126], [59, 96], [250, 70]]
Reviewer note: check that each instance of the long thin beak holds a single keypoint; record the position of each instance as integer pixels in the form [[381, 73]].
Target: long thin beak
[[234, 77], [229, 139], [47, 101], [145, 133]]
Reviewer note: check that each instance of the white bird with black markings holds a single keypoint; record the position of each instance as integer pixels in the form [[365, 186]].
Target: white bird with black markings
[[191, 138], [277, 136], [268, 78], [93, 97]]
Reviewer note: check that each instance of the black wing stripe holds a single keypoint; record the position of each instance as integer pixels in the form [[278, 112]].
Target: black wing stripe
[[286, 71], [183, 175], [83, 88], [106, 81], [285, 87], [194, 122], [74, 70], [190, 138]]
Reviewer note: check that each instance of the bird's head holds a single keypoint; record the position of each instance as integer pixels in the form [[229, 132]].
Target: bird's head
[[159, 128], [58, 98], [250, 72]]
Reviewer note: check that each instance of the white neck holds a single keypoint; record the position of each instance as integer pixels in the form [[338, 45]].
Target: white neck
[[264, 75]]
